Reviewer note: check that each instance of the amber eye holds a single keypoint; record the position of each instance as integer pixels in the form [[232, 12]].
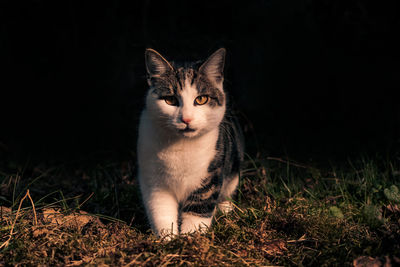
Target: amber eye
[[201, 100], [171, 100]]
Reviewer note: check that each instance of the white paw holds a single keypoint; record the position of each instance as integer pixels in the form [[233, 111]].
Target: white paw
[[167, 236], [193, 223], [225, 206]]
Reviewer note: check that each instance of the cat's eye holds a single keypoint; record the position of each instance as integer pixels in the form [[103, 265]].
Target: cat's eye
[[171, 100], [201, 100]]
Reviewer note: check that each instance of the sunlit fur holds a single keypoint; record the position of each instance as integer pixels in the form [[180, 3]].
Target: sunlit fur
[[167, 118], [175, 164]]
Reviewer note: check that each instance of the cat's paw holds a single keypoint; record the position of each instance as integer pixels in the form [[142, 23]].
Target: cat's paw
[[192, 223], [225, 206], [167, 235]]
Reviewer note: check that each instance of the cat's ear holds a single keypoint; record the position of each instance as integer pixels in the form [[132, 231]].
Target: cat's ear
[[156, 64], [213, 68]]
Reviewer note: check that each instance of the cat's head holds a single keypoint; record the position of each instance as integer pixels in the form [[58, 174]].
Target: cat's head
[[186, 100]]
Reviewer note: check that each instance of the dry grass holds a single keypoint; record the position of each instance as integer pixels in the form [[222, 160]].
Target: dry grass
[[286, 214]]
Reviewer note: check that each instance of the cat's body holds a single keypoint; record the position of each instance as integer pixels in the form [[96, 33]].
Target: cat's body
[[189, 147]]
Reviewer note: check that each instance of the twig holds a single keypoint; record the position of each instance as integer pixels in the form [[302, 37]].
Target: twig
[[33, 206], [236, 206], [132, 262], [289, 162], [302, 239], [236, 255], [80, 205], [5, 244]]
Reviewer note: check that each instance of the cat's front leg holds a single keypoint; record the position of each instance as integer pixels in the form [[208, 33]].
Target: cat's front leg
[[228, 190], [192, 222], [197, 212], [162, 210]]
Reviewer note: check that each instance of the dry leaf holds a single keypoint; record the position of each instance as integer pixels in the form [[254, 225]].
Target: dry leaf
[[365, 261], [274, 247], [40, 231], [393, 208], [73, 220]]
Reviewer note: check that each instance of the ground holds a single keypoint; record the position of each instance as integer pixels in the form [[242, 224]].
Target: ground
[[286, 213]]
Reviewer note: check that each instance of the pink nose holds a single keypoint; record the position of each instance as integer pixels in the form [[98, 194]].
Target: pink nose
[[186, 120]]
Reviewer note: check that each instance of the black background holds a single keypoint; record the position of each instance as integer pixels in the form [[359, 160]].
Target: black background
[[311, 79]]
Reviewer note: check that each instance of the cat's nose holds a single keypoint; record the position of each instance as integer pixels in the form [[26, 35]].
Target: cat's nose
[[186, 120]]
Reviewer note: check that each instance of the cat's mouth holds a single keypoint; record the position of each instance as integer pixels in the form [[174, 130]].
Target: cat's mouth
[[187, 130]]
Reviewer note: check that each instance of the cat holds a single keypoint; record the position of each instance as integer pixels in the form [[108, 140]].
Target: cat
[[190, 145]]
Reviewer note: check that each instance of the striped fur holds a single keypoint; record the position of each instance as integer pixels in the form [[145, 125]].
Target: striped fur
[[189, 155]]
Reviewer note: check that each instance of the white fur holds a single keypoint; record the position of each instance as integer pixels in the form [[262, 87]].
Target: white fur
[[172, 164], [191, 223], [228, 187]]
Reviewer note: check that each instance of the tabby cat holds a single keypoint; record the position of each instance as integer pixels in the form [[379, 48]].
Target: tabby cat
[[190, 146]]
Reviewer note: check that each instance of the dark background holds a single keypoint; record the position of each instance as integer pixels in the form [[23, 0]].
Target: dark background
[[311, 79]]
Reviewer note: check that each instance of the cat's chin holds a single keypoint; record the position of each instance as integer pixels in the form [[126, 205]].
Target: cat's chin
[[188, 132]]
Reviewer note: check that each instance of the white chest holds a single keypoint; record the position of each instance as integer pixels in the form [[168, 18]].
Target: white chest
[[179, 164]]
